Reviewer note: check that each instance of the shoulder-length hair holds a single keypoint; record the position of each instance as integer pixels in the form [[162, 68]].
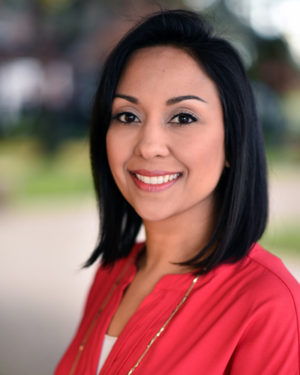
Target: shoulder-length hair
[[242, 189]]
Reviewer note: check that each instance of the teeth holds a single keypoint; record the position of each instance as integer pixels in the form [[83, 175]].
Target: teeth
[[157, 180]]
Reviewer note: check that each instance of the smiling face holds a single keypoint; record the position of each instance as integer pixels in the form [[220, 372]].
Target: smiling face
[[165, 143]]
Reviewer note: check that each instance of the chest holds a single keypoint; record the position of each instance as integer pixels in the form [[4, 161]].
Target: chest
[[201, 327], [192, 336]]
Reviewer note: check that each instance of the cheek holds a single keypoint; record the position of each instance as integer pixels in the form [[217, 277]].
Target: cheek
[[209, 160]]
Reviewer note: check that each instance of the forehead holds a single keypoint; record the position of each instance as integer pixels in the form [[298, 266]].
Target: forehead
[[165, 71], [160, 58], [166, 53]]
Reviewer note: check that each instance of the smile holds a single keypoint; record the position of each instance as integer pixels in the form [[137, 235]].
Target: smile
[[157, 180], [154, 181]]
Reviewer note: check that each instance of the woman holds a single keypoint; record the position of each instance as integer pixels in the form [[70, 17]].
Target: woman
[[175, 145]]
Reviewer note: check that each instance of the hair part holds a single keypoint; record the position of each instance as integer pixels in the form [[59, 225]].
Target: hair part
[[242, 190]]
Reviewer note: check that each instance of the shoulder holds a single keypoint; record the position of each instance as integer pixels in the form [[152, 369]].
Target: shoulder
[[268, 273], [266, 286], [258, 283], [262, 302]]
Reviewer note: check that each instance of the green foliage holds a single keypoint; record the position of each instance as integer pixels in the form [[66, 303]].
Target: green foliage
[[27, 173], [285, 157], [283, 238]]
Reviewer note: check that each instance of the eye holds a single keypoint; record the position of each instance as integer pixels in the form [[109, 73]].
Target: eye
[[183, 118], [125, 117]]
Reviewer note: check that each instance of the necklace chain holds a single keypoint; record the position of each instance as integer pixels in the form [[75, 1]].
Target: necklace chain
[[160, 331]]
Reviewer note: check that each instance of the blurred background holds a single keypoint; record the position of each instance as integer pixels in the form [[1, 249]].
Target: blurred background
[[51, 54]]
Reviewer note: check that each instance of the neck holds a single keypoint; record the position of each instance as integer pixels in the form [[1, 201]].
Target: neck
[[175, 240]]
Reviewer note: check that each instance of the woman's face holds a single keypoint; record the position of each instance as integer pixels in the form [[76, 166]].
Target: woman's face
[[165, 143]]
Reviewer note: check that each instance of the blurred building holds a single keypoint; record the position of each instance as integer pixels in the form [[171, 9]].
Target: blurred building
[[51, 54]]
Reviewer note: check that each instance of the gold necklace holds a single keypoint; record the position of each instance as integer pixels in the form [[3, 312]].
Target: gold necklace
[[160, 331]]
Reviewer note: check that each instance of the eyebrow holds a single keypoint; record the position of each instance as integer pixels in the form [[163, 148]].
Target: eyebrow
[[127, 97], [170, 101], [178, 99]]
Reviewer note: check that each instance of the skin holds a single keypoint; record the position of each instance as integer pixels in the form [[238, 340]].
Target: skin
[[166, 119]]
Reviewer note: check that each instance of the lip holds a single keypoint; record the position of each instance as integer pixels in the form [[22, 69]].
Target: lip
[[153, 188], [148, 173]]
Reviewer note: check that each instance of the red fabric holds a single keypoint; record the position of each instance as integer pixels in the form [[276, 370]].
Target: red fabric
[[240, 319]]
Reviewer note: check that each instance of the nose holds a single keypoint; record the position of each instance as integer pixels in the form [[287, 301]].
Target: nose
[[152, 141]]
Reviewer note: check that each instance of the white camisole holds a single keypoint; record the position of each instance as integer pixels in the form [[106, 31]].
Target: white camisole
[[108, 343]]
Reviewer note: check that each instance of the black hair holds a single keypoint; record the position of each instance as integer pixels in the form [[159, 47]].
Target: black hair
[[242, 189]]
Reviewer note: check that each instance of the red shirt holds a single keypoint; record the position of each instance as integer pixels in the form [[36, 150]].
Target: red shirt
[[240, 319]]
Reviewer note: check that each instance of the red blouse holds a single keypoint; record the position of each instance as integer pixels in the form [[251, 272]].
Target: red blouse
[[240, 319]]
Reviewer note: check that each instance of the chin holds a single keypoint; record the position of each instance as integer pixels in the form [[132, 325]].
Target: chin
[[152, 215]]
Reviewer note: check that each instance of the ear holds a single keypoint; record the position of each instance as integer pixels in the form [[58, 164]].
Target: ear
[[227, 164]]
